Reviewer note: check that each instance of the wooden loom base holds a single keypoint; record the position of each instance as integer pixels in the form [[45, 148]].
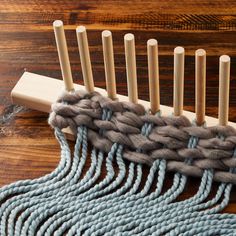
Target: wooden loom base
[[38, 92]]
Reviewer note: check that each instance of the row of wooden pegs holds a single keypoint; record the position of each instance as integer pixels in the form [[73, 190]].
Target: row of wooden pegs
[[153, 72]]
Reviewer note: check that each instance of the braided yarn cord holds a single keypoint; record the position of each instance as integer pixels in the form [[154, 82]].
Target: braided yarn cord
[[136, 150]]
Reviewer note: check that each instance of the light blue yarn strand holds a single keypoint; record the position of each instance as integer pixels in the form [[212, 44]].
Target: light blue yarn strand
[[63, 226], [158, 215], [108, 171], [131, 174], [85, 221], [173, 194], [119, 158], [161, 181], [165, 220], [112, 195], [166, 226], [85, 158], [148, 219], [66, 190], [155, 228], [193, 198], [76, 167], [46, 224], [28, 222], [145, 131]]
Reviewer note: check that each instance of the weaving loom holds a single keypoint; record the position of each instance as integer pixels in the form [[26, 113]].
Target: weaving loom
[[125, 134]]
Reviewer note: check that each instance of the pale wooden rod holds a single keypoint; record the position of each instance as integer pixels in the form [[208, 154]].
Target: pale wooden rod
[[131, 70], [85, 58], [39, 92], [200, 86], [63, 54], [178, 80], [224, 81], [153, 74], [109, 65]]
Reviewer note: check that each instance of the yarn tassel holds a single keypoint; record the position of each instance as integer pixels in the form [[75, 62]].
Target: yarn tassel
[[23, 191], [59, 193], [36, 218]]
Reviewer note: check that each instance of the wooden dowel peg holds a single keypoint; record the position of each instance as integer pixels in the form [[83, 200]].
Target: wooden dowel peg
[[131, 67], [178, 80], [85, 58], [153, 74], [200, 86], [224, 81], [108, 56], [63, 54]]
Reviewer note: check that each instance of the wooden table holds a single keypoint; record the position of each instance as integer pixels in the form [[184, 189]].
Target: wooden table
[[28, 148]]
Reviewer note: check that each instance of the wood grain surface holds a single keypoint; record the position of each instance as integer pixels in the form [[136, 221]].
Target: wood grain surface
[[28, 148]]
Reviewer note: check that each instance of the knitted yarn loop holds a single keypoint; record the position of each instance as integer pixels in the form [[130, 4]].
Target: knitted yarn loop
[[167, 140]]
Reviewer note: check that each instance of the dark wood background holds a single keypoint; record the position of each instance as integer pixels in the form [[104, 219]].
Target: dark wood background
[[28, 148]]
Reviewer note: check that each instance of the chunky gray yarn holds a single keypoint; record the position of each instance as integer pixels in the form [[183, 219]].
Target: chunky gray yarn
[[167, 140], [74, 200]]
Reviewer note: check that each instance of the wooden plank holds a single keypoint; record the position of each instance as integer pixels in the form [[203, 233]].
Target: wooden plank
[[113, 7]]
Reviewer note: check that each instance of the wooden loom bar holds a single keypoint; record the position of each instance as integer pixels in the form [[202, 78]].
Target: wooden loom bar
[[35, 91]]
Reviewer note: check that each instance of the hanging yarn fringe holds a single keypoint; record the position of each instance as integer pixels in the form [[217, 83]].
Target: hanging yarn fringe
[[73, 200]]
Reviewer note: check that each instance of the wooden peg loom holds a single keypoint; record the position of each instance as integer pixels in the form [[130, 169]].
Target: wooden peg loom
[[39, 92]]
